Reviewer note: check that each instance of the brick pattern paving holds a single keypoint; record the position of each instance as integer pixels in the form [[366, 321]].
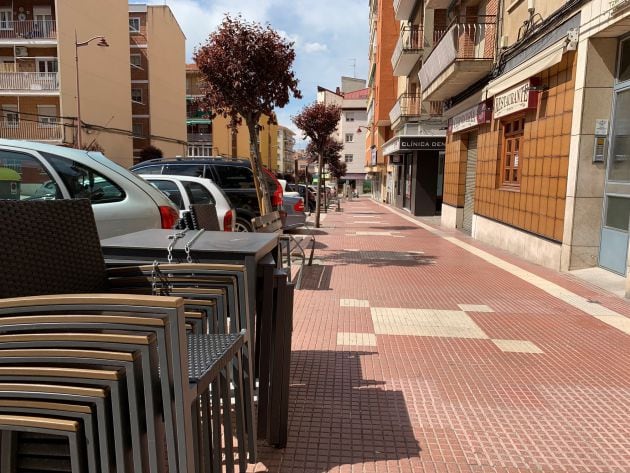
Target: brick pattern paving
[[416, 350]]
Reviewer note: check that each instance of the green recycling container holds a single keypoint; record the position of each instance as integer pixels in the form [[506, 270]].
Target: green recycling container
[[9, 184]]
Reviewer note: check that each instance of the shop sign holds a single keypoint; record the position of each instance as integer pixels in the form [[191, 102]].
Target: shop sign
[[421, 143], [475, 116], [396, 159], [521, 97]]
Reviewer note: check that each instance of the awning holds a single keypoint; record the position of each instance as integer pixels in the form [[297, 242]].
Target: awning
[[352, 175], [535, 65], [198, 121]]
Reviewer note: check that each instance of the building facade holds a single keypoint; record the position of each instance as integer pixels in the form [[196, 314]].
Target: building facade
[[38, 83], [286, 151], [537, 154], [384, 32], [157, 57], [213, 137], [351, 97]]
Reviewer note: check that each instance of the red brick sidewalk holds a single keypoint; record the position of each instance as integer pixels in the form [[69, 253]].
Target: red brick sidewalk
[[414, 352]]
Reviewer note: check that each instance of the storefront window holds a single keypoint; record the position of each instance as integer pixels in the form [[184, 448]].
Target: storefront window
[[624, 61], [618, 213]]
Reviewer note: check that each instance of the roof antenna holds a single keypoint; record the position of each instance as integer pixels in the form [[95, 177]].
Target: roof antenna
[[353, 61]]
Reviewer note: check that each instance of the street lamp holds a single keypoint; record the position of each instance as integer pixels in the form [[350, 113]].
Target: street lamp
[[368, 128], [102, 43]]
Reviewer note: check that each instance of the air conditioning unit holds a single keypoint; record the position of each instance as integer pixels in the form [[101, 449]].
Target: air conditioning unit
[[21, 51]]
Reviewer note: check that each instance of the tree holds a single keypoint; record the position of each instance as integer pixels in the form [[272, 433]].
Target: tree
[[246, 72], [332, 157], [318, 122], [150, 152]]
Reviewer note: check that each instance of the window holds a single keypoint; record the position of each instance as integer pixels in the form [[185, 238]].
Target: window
[[10, 115], [35, 182], [135, 60], [349, 138], [6, 19], [154, 169], [47, 65], [134, 25], [47, 116], [83, 182], [136, 95], [170, 190], [138, 130], [197, 193], [235, 177], [194, 170], [349, 116], [348, 158], [512, 140]]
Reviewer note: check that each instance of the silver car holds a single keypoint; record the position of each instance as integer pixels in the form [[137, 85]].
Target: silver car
[[122, 202]]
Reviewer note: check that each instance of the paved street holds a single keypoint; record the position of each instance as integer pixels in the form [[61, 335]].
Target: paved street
[[417, 349]]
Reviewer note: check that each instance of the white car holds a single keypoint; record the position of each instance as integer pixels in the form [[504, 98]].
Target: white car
[[187, 190], [122, 202], [283, 183]]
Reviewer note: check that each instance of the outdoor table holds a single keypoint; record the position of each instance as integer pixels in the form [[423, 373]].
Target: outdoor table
[[256, 251]]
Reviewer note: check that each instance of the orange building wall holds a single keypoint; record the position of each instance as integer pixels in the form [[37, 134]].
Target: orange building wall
[[538, 205]]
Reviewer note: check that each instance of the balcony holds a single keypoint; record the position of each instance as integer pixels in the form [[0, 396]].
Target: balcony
[[408, 50], [403, 9], [28, 31], [407, 106], [29, 83], [199, 137], [435, 4], [462, 55], [33, 131], [370, 113]]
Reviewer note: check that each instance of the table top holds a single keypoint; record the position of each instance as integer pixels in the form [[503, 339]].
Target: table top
[[230, 244]]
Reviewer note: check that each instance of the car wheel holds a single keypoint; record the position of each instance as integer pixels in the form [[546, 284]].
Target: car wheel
[[242, 226]]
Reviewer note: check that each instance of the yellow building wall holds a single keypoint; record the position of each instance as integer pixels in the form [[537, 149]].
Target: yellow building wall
[[104, 72], [514, 17], [167, 80]]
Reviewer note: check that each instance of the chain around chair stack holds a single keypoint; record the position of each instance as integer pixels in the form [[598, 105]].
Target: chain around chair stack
[[110, 373]]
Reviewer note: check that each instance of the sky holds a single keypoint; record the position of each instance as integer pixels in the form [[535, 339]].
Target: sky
[[331, 37]]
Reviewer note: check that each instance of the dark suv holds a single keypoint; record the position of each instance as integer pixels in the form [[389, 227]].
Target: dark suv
[[234, 176]]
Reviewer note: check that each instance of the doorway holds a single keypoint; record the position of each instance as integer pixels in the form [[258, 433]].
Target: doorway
[[471, 175]]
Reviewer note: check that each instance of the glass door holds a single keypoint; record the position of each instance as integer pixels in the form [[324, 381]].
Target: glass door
[[613, 250]]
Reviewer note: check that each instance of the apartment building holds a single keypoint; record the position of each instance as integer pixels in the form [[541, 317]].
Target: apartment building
[[351, 97], [384, 32], [157, 51], [286, 151], [39, 73], [213, 137], [537, 153]]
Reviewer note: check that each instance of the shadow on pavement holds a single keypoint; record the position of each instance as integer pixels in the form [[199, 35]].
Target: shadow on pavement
[[317, 277], [338, 418], [376, 259]]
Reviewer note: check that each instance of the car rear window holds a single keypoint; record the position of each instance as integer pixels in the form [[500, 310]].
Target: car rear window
[[197, 193], [171, 191], [235, 177], [153, 169]]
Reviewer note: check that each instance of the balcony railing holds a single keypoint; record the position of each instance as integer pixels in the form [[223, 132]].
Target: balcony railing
[[403, 9], [32, 29], [467, 38], [199, 137], [29, 81], [34, 131], [407, 105], [410, 43]]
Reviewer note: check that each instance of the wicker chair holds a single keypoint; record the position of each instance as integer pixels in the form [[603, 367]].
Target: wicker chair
[[52, 248]]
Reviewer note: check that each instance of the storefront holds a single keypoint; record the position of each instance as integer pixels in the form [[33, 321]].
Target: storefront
[[417, 173]]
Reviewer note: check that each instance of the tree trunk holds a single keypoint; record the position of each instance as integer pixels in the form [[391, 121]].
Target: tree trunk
[[264, 202], [318, 199]]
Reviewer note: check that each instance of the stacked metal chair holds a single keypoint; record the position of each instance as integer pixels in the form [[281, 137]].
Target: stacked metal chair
[[106, 364]]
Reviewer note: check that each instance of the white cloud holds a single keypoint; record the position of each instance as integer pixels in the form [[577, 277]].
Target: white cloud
[[315, 47], [338, 37]]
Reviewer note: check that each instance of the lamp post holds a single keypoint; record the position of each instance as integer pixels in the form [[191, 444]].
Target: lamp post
[[102, 43]]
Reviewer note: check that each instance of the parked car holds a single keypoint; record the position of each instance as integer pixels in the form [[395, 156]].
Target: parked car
[[308, 195], [286, 191], [187, 190], [233, 176], [122, 202], [294, 212]]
